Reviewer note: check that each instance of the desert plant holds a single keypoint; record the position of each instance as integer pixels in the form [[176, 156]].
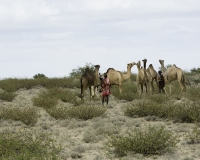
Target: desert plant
[[7, 96], [26, 145], [193, 136], [45, 100], [148, 108], [186, 112], [13, 84], [129, 91], [27, 115], [39, 75], [86, 112], [151, 140], [76, 73]]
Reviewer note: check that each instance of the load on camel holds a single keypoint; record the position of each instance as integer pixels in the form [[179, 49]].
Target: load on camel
[[89, 79]]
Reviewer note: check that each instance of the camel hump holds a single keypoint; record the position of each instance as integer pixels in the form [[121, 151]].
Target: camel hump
[[109, 69]]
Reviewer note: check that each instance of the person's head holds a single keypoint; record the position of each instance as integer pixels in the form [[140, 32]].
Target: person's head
[[105, 75], [159, 72]]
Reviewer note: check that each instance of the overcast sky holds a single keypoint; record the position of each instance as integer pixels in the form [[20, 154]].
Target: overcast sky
[[55, 36]]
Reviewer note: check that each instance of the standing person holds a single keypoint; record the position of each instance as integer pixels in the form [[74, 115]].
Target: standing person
[[105, 89], [161, 82]]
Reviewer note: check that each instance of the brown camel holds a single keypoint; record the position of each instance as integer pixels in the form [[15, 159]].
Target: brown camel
[[142, 78], [117, 77], [152, 75], [173, 73], [89, 79]]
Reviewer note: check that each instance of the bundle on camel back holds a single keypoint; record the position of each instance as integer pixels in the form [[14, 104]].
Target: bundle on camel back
[[173, 73], [89, 79]]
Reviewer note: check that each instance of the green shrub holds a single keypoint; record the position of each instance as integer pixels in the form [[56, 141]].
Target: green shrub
[[39, 75], [27, 115], [152, 140], [14, 84], [58, 112], [186, 112], [26, 145], [193, 94], [147, 108], [76, 73], [129, 91], [45, 100], [193, 137], [85, 112], [7, 96], [48, 99]]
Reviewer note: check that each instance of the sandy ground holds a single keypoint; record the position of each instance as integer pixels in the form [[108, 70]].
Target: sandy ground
[[84, 139]]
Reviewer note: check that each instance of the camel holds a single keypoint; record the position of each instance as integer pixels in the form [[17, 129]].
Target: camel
[[152, 75], [142, 78], [173, 73], [89, 79], [117, 77]]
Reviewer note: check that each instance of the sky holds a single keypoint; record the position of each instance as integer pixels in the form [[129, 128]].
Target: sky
[[53, 37]]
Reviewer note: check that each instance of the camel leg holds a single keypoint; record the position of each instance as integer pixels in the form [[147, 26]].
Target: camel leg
[[120, 89], [82, 92], [90, 92], [152, 87], [182, 85], [141, 91]]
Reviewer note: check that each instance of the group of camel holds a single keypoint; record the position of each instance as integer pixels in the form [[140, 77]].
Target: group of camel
[[145, 77]]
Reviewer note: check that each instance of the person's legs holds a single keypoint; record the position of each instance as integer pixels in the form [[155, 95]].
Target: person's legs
[[102, 100], [107, 99]]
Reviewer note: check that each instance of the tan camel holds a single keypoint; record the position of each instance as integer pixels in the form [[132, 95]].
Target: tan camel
[[142, 78], [117, 77], [152, 76], [173, 73], [89, 79]]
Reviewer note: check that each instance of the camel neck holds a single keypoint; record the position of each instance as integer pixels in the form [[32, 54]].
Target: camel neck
[[127, 75]]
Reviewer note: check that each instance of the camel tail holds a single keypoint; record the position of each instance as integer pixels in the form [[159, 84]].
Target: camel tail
[[183, 81]]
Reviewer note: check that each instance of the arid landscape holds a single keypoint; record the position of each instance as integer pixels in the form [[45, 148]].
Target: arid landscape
[[88, 139]]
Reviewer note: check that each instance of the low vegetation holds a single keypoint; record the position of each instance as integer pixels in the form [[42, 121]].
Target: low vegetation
[[27, 115], [147, 141], [60, 98], [26, 145]]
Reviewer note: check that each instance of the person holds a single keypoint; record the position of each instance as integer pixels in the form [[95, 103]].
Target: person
[[105, 89], [161, 82]]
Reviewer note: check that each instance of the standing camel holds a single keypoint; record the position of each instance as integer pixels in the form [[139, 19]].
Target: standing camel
[[142, 78], [117, 77], [173, 73], [152, 75], [89, 79]]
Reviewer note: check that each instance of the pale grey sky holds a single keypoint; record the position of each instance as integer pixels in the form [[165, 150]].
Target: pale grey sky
[[55, 36]]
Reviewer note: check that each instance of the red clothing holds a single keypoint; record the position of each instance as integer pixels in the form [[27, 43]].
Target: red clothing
[[105, 87]]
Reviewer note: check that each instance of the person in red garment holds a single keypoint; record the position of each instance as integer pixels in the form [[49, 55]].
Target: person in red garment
[[105, 89]]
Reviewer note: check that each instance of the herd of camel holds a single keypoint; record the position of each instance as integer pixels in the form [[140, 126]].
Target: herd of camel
[[145, 77]]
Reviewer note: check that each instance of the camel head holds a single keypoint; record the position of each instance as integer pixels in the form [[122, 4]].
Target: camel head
[[97, 67], [130, 65], [144, 62], [161, 62]]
